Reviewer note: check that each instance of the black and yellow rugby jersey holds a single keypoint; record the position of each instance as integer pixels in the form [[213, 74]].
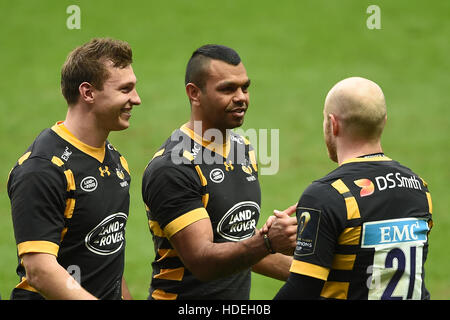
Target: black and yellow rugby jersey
[[188, 180], [364, 230], [71, 200]]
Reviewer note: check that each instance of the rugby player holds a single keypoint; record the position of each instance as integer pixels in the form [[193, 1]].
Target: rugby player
[[203, 197], [69, 191], [363, 228]]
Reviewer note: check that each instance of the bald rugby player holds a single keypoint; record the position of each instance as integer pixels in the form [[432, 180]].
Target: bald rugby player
[[363, 228]]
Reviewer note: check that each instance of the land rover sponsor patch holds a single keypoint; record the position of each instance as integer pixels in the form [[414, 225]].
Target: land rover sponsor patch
[[108, 236], [240, 221]]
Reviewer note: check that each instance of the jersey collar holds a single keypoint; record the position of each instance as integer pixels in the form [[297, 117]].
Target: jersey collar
[[222, 149], [61, 130], [374, 158]]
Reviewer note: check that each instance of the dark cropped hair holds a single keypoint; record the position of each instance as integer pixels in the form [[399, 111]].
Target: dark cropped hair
[[199, 61], [87, 64]]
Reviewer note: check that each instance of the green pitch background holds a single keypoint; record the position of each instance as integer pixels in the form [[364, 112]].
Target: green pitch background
[[294, 51]]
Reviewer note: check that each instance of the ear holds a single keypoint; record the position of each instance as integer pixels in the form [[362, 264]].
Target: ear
[[86, 91], [193, 93], [335, 128]]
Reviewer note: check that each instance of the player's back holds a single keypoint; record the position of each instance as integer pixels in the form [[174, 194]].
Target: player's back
[[379, 213]]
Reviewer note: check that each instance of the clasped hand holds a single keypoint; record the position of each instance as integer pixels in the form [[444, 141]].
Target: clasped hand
[[282, 230]]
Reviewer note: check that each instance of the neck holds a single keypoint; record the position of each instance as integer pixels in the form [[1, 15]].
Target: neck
[[200, 127], [356, 149], [84, 127]]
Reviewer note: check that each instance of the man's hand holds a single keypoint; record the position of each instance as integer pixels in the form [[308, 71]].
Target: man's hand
[[289, 211], [282, 230]]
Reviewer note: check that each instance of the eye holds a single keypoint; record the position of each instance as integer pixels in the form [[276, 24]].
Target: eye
[[126, 89], [228, 89]]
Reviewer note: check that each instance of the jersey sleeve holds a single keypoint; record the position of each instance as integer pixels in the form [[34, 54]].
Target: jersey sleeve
[[37, 191], [317, 232], [173, 196]]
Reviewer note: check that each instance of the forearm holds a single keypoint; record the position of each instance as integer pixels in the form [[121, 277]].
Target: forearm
[[51, 280], [126, 295], [216, 260], [275, 266]]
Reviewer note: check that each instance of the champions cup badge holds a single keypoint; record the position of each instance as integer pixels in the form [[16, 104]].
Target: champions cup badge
[[304, 219]]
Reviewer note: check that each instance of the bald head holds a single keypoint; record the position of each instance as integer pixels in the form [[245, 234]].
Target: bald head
[[359, 105]]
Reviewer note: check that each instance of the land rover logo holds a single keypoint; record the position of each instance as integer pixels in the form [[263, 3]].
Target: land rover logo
[[240, 221], [88, 184], [108, 236], [216, 175]]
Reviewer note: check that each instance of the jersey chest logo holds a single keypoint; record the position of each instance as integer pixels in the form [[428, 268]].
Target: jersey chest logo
[[239, 222], [89, 184], [108, 237]]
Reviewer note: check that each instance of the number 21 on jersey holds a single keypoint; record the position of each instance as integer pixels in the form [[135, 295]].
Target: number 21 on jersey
[[396, 272]]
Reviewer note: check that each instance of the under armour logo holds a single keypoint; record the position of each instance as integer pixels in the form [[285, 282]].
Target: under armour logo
[[103, 171], [228, 166]]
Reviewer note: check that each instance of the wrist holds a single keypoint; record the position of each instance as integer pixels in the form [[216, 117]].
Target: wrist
[[267, 243]]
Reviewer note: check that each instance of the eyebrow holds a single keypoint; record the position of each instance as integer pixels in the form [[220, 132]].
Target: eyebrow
[[233, 83]]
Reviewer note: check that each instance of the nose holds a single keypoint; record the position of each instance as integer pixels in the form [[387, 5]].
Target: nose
[[135, 99], [240, 96]]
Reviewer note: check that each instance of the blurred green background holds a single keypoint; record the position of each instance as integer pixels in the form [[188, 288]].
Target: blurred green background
[[294, 52]]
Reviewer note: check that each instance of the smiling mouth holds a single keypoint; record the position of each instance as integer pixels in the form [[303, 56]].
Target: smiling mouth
[[126, 112], [238, 112]]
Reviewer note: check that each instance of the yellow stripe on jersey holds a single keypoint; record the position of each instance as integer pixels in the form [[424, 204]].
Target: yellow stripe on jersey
[[156, 229], [183, 221], [350, 201], [176, 274], [252, 157], [57, 161], [340, 186], [188, 155], [343, 261], [335, 290], [204, 182], [166, 253], [159, 294], [310, 270], [158, 153], [25, 285], [430, 203], [70, 180], [124, 164], [24, 157], [70, 202], [37, 247], [352, 208], [350, 236]]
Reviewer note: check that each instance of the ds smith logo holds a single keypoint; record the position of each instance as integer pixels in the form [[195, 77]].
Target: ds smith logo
[[388, 181], [367, 187]]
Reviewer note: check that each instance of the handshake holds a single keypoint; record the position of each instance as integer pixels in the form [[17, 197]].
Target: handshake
[[280, 231]]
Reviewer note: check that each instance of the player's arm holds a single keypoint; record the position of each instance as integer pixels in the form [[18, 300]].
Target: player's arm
[[52, 281], [274, 266], [300, 287], [38, 194], [208, 260], [126, 295]]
